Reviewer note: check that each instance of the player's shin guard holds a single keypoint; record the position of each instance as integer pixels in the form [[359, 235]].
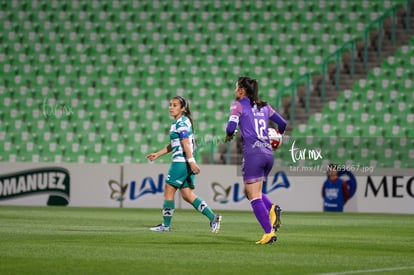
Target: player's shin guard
[[267, 202], [201, 206], [167, 212], [262, 214]]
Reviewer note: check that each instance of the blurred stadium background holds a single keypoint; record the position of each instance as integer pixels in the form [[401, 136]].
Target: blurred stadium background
[[90, 81]]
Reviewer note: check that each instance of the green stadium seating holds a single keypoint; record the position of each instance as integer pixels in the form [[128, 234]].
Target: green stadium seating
[[116, 64]]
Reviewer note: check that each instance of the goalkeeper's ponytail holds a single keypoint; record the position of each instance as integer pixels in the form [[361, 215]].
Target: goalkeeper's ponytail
[[252, 91]]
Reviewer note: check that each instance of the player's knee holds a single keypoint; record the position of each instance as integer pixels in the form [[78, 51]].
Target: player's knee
[[188, 197]]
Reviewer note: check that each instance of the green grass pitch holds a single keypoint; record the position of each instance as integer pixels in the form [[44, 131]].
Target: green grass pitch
[[70, 240]]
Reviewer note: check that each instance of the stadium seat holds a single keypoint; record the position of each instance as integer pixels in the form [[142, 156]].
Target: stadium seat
[[147, 51]]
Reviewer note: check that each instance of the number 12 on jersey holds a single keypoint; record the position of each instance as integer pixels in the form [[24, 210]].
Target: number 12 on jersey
[[260, 127]]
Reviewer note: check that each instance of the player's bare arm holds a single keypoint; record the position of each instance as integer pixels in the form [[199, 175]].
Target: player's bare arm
[[185, 143], [163, 151]]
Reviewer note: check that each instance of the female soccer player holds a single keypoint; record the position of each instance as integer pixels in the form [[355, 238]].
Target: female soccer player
[[183, 168], [251, 115]]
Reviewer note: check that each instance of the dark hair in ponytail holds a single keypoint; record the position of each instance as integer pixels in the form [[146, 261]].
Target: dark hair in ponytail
[[184, 104], [252, 91]]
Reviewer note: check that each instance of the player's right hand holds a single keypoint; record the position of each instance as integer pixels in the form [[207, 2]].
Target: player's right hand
[[152, 156]]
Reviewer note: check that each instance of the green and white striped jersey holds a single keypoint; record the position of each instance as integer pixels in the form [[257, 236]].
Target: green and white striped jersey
[[180, 129]]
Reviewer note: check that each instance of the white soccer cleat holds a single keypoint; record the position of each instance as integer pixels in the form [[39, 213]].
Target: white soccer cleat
[[161, 228], [215, 224]]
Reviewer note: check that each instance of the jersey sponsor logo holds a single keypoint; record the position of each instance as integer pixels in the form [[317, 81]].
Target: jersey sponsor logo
[[331, 193], [259, 144]]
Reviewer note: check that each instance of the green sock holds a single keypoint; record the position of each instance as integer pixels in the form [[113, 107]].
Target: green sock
[[203, 208], [167, 212]]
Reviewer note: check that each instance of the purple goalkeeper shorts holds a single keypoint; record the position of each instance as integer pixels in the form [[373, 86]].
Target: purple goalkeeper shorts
[[256, 167]]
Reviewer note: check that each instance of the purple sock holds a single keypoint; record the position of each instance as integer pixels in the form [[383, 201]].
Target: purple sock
[[267, 202], [262, 215]]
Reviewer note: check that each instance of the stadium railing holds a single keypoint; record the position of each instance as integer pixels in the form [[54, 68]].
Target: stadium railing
[[293, 90], [378, 24], [282, 92], [337, 54]]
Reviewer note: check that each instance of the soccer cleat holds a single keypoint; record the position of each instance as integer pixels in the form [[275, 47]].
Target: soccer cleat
[[274, 215], [268, 238], [161, 228], [215, 223]]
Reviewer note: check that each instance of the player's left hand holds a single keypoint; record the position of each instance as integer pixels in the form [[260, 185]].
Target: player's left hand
[[228, 138]]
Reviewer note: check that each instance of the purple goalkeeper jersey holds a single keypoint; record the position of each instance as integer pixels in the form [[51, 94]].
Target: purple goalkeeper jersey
[[253, 124]]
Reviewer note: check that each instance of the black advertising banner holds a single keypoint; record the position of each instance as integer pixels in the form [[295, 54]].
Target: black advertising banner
[[54, 181]]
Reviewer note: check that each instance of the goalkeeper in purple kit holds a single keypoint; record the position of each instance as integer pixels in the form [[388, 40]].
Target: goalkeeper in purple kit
[[251, 115]]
